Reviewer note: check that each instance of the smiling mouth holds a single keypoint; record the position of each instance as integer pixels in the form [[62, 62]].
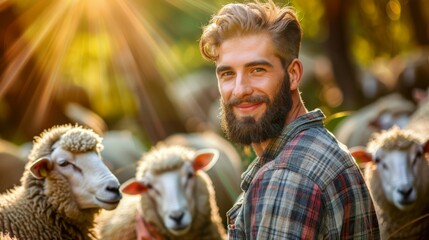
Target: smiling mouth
[[248, 107]]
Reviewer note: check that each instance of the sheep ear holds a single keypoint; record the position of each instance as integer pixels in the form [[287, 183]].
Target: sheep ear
[[41, 167], [375, 123], [133, 187], [419, 95], [205, 159], [360, 154]]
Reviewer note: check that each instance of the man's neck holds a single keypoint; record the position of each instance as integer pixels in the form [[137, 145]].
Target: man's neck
[[296, 111], [259, 148]]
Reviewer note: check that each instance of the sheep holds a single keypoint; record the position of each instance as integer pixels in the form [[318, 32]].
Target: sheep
[[225, 175], [11, 169], [122, 149], [63, 187], [356, 129], [397, 177], [11, 165], [171, 198], [419, 120], [6, 237]]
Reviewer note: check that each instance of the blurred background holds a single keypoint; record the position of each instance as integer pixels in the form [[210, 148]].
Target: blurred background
[[134, 65]]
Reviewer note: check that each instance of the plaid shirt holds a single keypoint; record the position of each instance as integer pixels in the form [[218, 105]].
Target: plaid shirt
[[305, 185]]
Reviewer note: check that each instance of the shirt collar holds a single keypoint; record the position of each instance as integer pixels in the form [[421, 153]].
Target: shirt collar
[[309, 120]]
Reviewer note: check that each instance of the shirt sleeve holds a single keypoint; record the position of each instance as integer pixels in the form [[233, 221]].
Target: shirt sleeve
[[350, 211]]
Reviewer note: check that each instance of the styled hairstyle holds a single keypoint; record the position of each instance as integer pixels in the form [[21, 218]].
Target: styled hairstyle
[[241, 19]]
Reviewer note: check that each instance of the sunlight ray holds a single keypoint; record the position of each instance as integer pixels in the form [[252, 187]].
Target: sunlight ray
[[189, 6], [114, 50], [141, 28], [23, 49], [125, 40]]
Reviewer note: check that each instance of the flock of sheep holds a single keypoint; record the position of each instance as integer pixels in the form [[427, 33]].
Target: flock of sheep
[[395, 163], [183, 186], [68, 192]]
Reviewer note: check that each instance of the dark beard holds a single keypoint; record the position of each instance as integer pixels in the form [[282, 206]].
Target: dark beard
[[247, 130]]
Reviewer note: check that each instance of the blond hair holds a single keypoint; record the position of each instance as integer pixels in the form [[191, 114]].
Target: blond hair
[[241, 19]]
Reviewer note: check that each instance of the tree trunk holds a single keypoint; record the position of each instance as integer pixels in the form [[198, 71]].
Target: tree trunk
[[338, 50], [420, 24]]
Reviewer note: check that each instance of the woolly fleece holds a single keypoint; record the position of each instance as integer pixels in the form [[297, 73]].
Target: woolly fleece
[[45, 208], [206, 224], [394, 223]]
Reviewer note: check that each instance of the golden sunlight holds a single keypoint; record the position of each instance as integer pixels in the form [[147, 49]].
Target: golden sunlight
[[106, 47], [114, 57]]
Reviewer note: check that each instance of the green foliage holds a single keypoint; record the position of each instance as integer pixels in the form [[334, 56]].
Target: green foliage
[[333, 120], [311, 13], [81, 47]]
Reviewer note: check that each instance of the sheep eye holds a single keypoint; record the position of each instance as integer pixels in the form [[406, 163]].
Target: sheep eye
[[190, 175], [150, 186], [377, 160], [419, 154], [384, 166], [64, 164]]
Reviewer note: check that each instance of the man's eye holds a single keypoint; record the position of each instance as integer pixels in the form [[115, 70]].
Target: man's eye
[[258, 70], [226, 74]]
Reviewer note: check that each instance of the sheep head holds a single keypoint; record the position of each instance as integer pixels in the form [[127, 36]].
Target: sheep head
[[167, 176], [75, 157], [400, 157]]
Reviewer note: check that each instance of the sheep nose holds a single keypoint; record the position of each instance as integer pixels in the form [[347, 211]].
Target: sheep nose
[[114, 188], [177, 216], [406, 191]]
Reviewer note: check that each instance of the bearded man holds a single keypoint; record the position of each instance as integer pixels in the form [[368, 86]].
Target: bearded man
[[304, 184]]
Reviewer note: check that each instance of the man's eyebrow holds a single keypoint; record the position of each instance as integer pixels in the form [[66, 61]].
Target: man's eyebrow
[[222, 68], [259, 63], [250, 64]]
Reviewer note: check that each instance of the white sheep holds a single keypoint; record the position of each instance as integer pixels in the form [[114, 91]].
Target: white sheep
[[122, 149], [63, 187], [11, 165], [11, 169], [397, 177], [419, 120], [357, 128], [174, 199], [225, 175]]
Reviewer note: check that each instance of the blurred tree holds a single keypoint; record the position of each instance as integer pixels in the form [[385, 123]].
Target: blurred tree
[[338, 49], [124, 54], [359, 33], [27, 103], [419, 13], [39, 76]]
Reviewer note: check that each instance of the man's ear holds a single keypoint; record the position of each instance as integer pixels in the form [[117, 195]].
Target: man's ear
[[295, 71], [41, 167]]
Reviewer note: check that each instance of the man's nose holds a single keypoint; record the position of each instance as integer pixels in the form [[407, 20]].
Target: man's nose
[[242, 86]]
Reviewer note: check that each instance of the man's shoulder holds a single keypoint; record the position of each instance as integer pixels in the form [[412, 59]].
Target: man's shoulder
[[315, 154]]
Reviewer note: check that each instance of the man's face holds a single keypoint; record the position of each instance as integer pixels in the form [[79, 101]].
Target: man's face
[[254, 87]]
